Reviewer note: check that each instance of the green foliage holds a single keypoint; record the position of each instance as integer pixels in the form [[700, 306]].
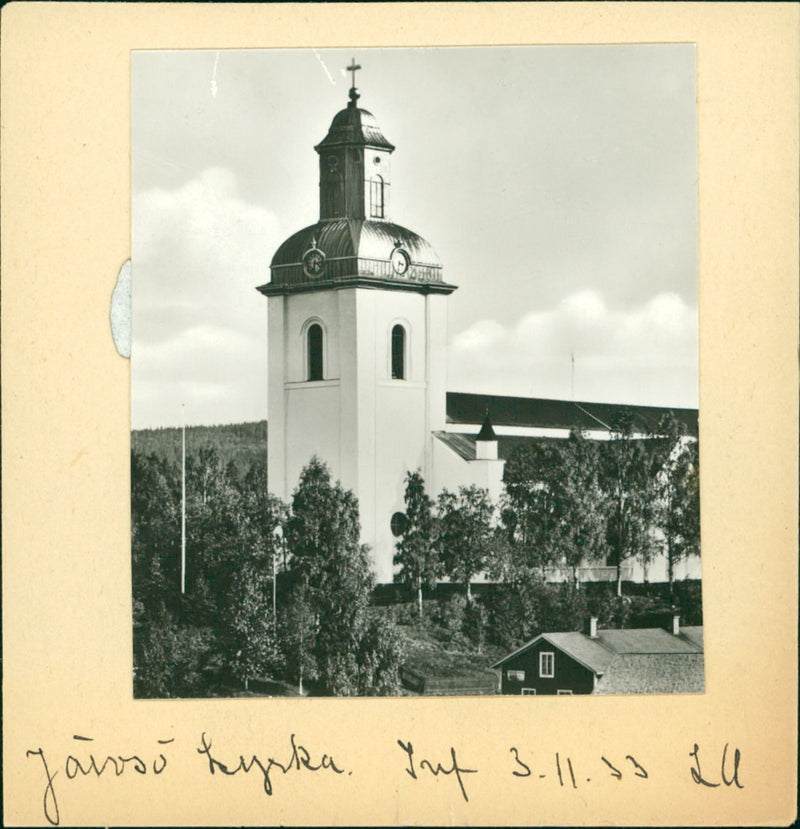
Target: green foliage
[[560, 607], [510, 615], [464, 532], [517, 613], [223, 622], [174, 660], [416, 554], [629, 475], [551, 508], [380, 657], [450, 614], [323, 537], [297, 626], [530, 509], [155, 536], [403, 614], [688, 601], [243, 443], [475, 626], [677, 513], [256, 648], [582, 524]]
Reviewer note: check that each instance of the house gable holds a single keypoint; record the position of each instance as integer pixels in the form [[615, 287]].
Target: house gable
[[526, 671]]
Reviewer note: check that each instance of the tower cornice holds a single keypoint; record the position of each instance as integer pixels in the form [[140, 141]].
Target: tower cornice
[[282, 289]]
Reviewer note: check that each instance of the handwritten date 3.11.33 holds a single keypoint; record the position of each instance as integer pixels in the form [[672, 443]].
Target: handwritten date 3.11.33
[[561, 768]]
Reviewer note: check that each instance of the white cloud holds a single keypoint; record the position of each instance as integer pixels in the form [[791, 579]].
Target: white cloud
[[199, 327], [646, 354]]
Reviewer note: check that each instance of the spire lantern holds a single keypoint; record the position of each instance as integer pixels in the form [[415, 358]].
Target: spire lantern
[[354, 164], [355, 241]]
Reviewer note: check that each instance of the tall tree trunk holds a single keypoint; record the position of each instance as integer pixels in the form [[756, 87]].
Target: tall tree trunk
[[670, 555], [619, 579], [469, 592], [419, 598]]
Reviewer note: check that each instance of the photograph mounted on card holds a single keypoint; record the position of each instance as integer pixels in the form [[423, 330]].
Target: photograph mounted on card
[[432, 317], [458, 459]]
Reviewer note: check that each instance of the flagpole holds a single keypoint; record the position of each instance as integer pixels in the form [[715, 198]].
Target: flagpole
[[183, 501], [572, 357]]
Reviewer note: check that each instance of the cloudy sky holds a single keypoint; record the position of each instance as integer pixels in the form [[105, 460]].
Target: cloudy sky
[[557, 184]]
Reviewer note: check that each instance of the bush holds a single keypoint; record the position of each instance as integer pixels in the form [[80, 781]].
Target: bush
[[450, 615], [173, 660], [404, 614], [510, 613], [689, 601], [381, 656], [560, 607], [476, 619]]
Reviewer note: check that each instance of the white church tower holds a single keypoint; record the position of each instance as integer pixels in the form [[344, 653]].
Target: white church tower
[[357, 337]]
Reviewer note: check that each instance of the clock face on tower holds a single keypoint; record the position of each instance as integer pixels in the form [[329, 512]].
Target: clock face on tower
[[314, 263], [400, 261]]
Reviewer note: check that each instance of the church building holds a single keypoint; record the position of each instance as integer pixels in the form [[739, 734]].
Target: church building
[[357, 354]]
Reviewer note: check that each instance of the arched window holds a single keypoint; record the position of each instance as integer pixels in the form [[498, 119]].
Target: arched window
[[376, 197], [332, 197], [315, 352], [398, 353]]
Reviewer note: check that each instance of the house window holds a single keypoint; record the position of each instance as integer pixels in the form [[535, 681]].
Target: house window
[[530, 692], [376, 197], [564, 692], [546, 664], [315, 352], [398, 353], [516, 676]]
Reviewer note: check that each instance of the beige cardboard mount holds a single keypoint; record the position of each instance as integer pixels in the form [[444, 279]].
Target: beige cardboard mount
[[66, 560]]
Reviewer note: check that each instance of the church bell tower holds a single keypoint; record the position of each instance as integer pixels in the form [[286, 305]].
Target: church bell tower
[[357, 336]]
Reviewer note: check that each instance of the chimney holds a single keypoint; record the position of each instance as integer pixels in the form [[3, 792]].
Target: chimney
[[593, 627], [676, 625]]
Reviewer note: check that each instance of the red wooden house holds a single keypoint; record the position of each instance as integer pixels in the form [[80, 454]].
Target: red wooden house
[[634, 661]]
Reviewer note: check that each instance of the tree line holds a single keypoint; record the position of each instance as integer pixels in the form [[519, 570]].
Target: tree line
[[565, 503], [224, 629], [284, 591]]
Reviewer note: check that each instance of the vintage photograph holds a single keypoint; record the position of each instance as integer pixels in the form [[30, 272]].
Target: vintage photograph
[[414, 372]]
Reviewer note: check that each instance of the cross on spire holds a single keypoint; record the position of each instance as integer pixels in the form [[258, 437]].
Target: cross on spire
[[353, 68]]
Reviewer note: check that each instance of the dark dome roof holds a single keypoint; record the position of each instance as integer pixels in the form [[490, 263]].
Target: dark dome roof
[[353, 125], [357, 238]]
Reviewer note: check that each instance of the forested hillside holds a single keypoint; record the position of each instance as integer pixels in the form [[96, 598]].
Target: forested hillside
[[242, 443]]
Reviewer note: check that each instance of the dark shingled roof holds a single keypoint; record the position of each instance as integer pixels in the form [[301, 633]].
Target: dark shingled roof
[[589, 652], [645, 640], [354, 125], [560, 414], [462, 445], [355, 238], [654, 673], [694, 634], [357, 253]]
